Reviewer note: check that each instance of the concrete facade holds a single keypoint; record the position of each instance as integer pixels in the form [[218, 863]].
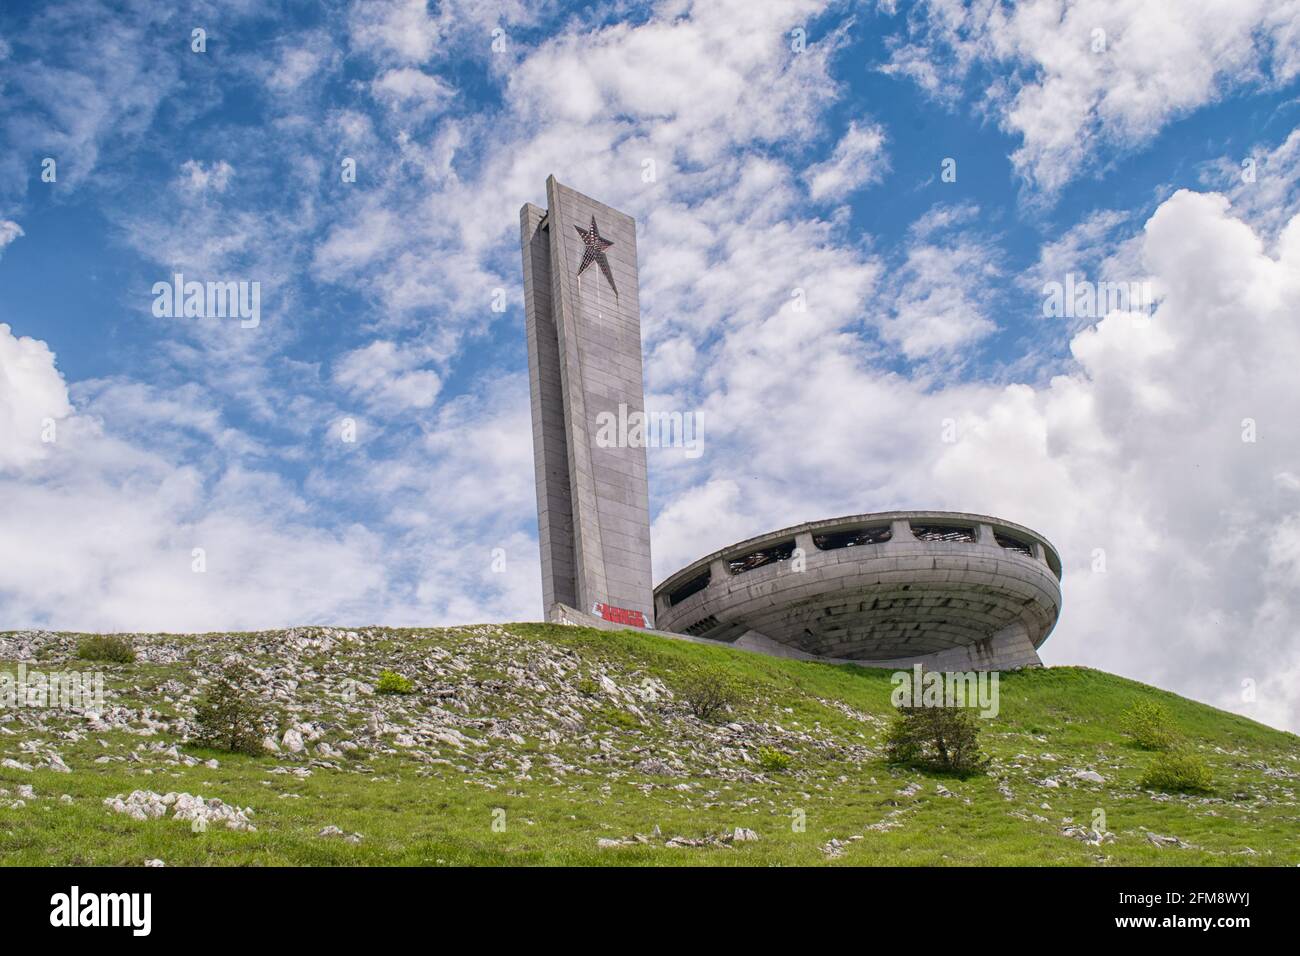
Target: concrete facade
[[583, 321]]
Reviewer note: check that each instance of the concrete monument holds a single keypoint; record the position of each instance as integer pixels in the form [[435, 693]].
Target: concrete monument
[[949, 590]]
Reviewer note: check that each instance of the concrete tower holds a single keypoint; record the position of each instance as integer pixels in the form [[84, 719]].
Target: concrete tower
[[584, 365]]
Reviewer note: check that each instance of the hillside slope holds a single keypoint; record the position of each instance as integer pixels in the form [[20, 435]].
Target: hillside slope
[[533, 743]]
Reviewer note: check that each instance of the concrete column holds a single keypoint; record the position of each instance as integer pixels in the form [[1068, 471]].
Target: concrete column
[[984, 536], [900, 531]]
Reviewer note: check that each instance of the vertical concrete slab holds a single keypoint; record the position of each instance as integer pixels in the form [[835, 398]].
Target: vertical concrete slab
[[550, 444]]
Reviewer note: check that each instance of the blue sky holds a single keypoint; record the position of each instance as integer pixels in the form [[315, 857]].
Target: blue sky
[[776, 168]]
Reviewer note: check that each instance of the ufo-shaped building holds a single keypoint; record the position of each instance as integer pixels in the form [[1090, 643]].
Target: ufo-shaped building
[[948, 590]]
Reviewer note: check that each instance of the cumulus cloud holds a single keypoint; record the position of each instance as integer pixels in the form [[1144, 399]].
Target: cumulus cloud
[[32, 396]]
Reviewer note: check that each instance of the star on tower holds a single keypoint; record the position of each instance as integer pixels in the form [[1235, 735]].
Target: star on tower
[[594, 251]]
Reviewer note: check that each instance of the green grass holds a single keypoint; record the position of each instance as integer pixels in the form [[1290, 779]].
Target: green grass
[[830, 719]]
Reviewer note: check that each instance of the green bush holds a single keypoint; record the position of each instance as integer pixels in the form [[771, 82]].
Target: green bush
[[588, 687], [229, 718], [619, 717], [708, 691], [1149, 726], [773, 760], [391, 682], [936, 738], [1179, 771], [106, 647]]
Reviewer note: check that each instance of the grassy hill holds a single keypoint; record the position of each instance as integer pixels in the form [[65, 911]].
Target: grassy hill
[[532, 743]]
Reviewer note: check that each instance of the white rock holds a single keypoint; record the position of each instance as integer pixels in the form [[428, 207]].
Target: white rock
[[292, 741], [1091, 776]]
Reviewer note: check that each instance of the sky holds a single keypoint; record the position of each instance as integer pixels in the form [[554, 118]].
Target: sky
[[850, 220]]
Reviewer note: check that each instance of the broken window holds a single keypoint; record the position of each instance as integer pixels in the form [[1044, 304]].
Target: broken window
[[756, 559], [853, 538], [1013, 544], [693, 586], [940, 532]]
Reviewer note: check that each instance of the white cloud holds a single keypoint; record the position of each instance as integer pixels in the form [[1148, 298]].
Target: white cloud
[[106, 530], [388, 377], [858, 159], [938, 307], [197, 177], [92, 85], [1075, 76], [1264, 183], [9, 231], [32, 393], [408, 88], [399, 29]]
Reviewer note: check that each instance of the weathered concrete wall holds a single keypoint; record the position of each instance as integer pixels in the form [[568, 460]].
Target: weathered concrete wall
[[550, 442]]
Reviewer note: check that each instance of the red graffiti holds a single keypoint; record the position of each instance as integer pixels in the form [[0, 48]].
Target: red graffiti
[[619, 615]]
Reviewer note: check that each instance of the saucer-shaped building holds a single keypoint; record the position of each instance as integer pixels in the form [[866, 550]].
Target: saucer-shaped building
[[948, 589]]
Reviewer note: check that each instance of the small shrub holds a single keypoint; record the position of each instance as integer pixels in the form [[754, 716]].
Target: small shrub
[[707, 691], [106, 647], [619, 717], [936, 738], [1179, 771], [229, 718], [391, 682], [773, 760], [588, 687], [1149, 726]]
